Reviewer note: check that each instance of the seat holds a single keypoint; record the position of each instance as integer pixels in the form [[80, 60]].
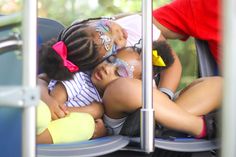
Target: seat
[[96, 147], [48, 29], [183, 144], [206, 63]]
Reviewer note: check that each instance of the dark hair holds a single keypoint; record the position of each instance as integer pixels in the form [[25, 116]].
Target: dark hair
[[164, 51], [81, 51]]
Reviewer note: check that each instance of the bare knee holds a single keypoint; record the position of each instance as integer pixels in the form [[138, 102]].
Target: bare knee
[[214, 81], [44, 138]]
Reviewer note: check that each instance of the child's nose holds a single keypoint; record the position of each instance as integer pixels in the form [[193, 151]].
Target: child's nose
[[109, 68]]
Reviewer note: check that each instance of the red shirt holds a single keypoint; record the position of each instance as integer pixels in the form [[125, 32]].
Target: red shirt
[[197, 18]]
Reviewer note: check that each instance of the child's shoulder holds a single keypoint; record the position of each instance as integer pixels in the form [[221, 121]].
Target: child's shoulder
[[82, 77]]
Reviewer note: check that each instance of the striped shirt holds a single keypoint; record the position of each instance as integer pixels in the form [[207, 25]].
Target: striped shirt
[[80, 90]]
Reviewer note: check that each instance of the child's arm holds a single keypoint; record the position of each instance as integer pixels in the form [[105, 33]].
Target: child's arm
[[95, 109], [59, 95], [56, 109], [43, 84], [170, 77]]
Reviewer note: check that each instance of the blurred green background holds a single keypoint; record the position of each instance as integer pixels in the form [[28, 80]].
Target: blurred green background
[[66, 11]]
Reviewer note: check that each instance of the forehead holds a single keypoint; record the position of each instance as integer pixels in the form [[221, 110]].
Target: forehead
[[128, 54], [98, 39], [101, 49], [132, 58]]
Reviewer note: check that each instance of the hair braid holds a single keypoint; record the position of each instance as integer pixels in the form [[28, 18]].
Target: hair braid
[[81, 51]]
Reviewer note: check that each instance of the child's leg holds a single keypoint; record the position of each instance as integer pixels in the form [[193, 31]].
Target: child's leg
[[73, 128], [100, 129], [44, 138], [42, 122], [170, 115], [202, 96], [43, 117], [167, 112]]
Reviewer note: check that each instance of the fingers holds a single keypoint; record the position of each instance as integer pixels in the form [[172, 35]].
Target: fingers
[[60, 113], [57, 112], [54, 116], [64, 109]]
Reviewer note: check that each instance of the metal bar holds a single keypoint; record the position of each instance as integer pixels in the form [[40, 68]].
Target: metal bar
[[147, 112], [8, 20], [18, 96], [29, 75], [229, 101], [9, 45]]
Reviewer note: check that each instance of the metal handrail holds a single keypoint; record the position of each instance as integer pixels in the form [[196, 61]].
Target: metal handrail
[[29, 75], [229, 73], [147, 112], [10, 43], [18, 96], [9, 20]]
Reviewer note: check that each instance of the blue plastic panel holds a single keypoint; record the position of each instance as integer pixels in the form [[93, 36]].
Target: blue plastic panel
[[10, 118], [10, 132], [90, 148], [184, 144]]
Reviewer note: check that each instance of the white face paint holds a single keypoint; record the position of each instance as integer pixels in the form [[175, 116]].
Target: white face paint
[[112, 35]]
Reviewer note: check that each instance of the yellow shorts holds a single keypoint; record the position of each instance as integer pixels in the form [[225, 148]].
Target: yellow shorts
[[74, 127], [43, 117]]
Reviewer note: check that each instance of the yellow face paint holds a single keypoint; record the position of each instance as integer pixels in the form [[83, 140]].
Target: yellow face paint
[[157, 60]]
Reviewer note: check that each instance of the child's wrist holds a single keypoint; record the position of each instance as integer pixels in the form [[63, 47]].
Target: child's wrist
[[168, 92]]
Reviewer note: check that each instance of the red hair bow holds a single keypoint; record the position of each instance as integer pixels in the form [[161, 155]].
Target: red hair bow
[[61, 50]]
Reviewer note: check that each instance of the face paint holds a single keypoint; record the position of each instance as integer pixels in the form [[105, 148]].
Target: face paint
[[103, 27], [123, 68]]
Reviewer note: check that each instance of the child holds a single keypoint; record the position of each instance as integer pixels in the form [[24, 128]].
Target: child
[[170, 78], [66, 62], [79, 49], [131, 28], [61, 90], [118, 78], [126, 63], [170, 114]]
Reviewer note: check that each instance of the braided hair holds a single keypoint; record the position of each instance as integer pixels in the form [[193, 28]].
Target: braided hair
[[164, 51], [82, 51]]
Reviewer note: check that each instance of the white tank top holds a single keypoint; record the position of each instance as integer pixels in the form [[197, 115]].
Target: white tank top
[[133, 25]]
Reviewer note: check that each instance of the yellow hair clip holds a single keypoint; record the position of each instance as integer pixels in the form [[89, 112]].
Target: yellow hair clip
[[157, 60]]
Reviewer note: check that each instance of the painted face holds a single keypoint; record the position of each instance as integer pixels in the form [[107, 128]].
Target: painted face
[[111, 35], [126, 63]]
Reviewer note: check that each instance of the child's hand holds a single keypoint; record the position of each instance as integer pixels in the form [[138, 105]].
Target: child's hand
[[64, 109], [57, 110]]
